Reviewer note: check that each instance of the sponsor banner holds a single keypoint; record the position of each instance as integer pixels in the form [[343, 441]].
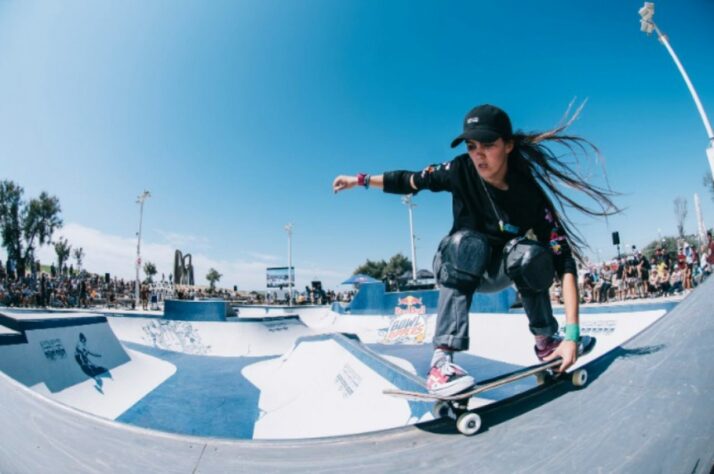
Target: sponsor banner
[[592, 328], [596, 328], [280, 277]]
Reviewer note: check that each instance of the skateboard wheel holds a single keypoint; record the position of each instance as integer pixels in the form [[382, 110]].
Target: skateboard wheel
[[543, 378], [442, 409], [468, 423], [580, 377]]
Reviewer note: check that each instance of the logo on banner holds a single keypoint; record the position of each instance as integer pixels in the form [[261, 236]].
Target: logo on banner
[[409, 325], [53, 349], [406, 329], [409, 305]]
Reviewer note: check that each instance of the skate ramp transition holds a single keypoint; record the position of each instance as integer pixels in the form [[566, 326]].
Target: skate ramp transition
[[338, 378], [90, 362], [647, 408], [76, 359], [247, 337]]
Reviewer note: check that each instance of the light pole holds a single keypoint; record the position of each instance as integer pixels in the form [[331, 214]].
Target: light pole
[[407, 201], [647, 26], [289, 229], [139, 200], [701, 228]]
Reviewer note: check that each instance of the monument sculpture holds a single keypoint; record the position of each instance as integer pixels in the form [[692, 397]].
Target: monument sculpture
[[183, 269]]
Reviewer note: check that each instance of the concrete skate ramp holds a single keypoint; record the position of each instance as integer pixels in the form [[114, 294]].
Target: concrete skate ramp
[[246, 337], [338, 378], [646, 409], [76, 359]]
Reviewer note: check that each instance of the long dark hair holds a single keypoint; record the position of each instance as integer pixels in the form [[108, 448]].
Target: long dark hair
[[550, 173]]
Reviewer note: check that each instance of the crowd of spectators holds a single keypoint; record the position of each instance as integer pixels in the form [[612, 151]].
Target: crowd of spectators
[[64, 290], [661, 273], [69, 289], [311, 295]]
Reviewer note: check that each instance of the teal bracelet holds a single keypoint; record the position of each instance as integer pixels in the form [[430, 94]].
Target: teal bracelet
[[572, 332]]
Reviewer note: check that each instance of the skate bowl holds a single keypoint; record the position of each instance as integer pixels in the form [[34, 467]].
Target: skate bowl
[[179, 403]]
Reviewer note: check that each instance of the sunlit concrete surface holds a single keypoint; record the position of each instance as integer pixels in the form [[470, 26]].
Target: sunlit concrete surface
[[217, 396]]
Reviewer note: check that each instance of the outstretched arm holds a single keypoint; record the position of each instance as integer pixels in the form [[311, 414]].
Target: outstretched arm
[[344, 182], [434, 178]]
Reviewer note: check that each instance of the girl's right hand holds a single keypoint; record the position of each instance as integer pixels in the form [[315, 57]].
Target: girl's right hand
[[343, 182]]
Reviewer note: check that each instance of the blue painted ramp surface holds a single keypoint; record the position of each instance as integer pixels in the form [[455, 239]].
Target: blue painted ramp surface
[[207, 396], [59, 351]]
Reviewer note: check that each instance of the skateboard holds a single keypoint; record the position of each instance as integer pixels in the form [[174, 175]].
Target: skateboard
[[456, 406]]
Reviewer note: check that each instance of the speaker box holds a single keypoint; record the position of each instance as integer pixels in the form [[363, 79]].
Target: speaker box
[[615, 238], [106, 278]]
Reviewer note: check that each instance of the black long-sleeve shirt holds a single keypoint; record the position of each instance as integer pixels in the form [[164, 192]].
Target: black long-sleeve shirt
[[522, 207]]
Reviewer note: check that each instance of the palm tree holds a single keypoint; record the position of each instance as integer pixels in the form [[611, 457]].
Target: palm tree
[[213, 276], [62, 249], [150, 271], [78, 255]]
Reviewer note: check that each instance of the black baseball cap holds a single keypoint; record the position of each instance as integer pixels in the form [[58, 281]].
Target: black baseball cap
[[485, 123]]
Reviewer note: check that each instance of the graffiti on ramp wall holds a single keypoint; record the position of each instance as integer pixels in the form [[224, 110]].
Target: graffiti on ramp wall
[[83, 355]]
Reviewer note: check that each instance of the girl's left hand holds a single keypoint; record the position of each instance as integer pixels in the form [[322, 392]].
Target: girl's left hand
[[568, 351]]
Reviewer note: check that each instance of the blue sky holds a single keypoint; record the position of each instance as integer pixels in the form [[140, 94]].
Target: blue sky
[[238, 115]]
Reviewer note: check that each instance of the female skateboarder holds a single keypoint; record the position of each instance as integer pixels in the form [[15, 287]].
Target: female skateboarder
[[506, 230]]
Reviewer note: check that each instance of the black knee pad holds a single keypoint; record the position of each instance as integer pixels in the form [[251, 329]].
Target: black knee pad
[[461, 260], [529, 264]]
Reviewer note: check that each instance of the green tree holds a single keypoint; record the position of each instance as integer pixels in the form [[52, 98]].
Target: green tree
[[78, 255], [62, 249], [397, 265], [26, 225], [10, 206], [150, 271], [213, 276], [375, 269]]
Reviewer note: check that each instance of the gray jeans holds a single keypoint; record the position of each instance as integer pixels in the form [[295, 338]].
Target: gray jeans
[[452, 323]]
